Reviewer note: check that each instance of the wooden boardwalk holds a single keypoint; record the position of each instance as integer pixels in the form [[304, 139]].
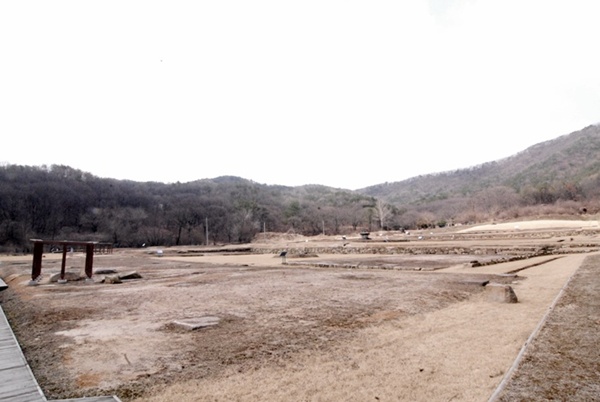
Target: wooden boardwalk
[[17, 383]]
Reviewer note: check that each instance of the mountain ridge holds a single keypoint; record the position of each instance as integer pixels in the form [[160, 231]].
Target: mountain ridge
[[571, 158]]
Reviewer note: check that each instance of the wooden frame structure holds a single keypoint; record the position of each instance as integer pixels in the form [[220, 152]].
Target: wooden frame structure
[[90, 247]]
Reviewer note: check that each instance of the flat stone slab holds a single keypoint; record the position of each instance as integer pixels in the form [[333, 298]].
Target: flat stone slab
[[105, 271], [130, 275], [69, 277], [197, 323]]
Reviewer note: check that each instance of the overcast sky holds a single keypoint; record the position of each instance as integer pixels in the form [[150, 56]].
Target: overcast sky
[[342, 93]]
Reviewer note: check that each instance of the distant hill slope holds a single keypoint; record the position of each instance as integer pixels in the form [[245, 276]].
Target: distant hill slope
[[571, 159]]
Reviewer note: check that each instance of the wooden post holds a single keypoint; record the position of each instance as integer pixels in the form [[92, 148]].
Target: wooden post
[[36, 267], [64, 262], [89, 259], [38, 249]]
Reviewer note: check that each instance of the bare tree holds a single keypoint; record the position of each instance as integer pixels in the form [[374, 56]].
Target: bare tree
[[382, 213], [491, 201]]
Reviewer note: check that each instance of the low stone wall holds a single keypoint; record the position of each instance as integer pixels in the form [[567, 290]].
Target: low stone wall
[[414, 250]]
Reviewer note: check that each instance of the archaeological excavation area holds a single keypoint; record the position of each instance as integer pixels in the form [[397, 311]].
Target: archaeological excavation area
[[463, 315]]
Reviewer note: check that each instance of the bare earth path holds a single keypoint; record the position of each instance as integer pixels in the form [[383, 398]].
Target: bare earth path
[[457, 353]]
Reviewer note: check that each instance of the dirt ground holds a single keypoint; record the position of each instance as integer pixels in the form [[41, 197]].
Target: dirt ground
[[348, 324]]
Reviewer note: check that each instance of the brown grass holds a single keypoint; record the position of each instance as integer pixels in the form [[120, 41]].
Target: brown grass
[[456, 353], [286, 332]]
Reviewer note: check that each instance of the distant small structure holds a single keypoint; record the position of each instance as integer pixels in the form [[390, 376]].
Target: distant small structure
[[90, 247], [365, 235], [283, 255]]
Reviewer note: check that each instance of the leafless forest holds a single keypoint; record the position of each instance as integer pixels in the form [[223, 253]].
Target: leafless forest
[[554, 179]]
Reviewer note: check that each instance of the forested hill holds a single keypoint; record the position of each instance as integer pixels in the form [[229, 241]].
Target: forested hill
[[558, 177], [59, 202], [567, 167]]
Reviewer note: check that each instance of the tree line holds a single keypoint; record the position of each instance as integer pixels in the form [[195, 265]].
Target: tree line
[[59, 202]]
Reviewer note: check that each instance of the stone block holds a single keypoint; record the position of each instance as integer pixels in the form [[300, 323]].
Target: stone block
[[69, 277], [500, 293], [112, 279], [130, 275]]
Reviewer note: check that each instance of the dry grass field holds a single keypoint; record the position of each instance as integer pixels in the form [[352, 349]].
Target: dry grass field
[[399, 317]]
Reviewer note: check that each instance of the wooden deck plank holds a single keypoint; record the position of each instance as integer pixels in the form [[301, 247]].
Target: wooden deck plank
[[17, 383]]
